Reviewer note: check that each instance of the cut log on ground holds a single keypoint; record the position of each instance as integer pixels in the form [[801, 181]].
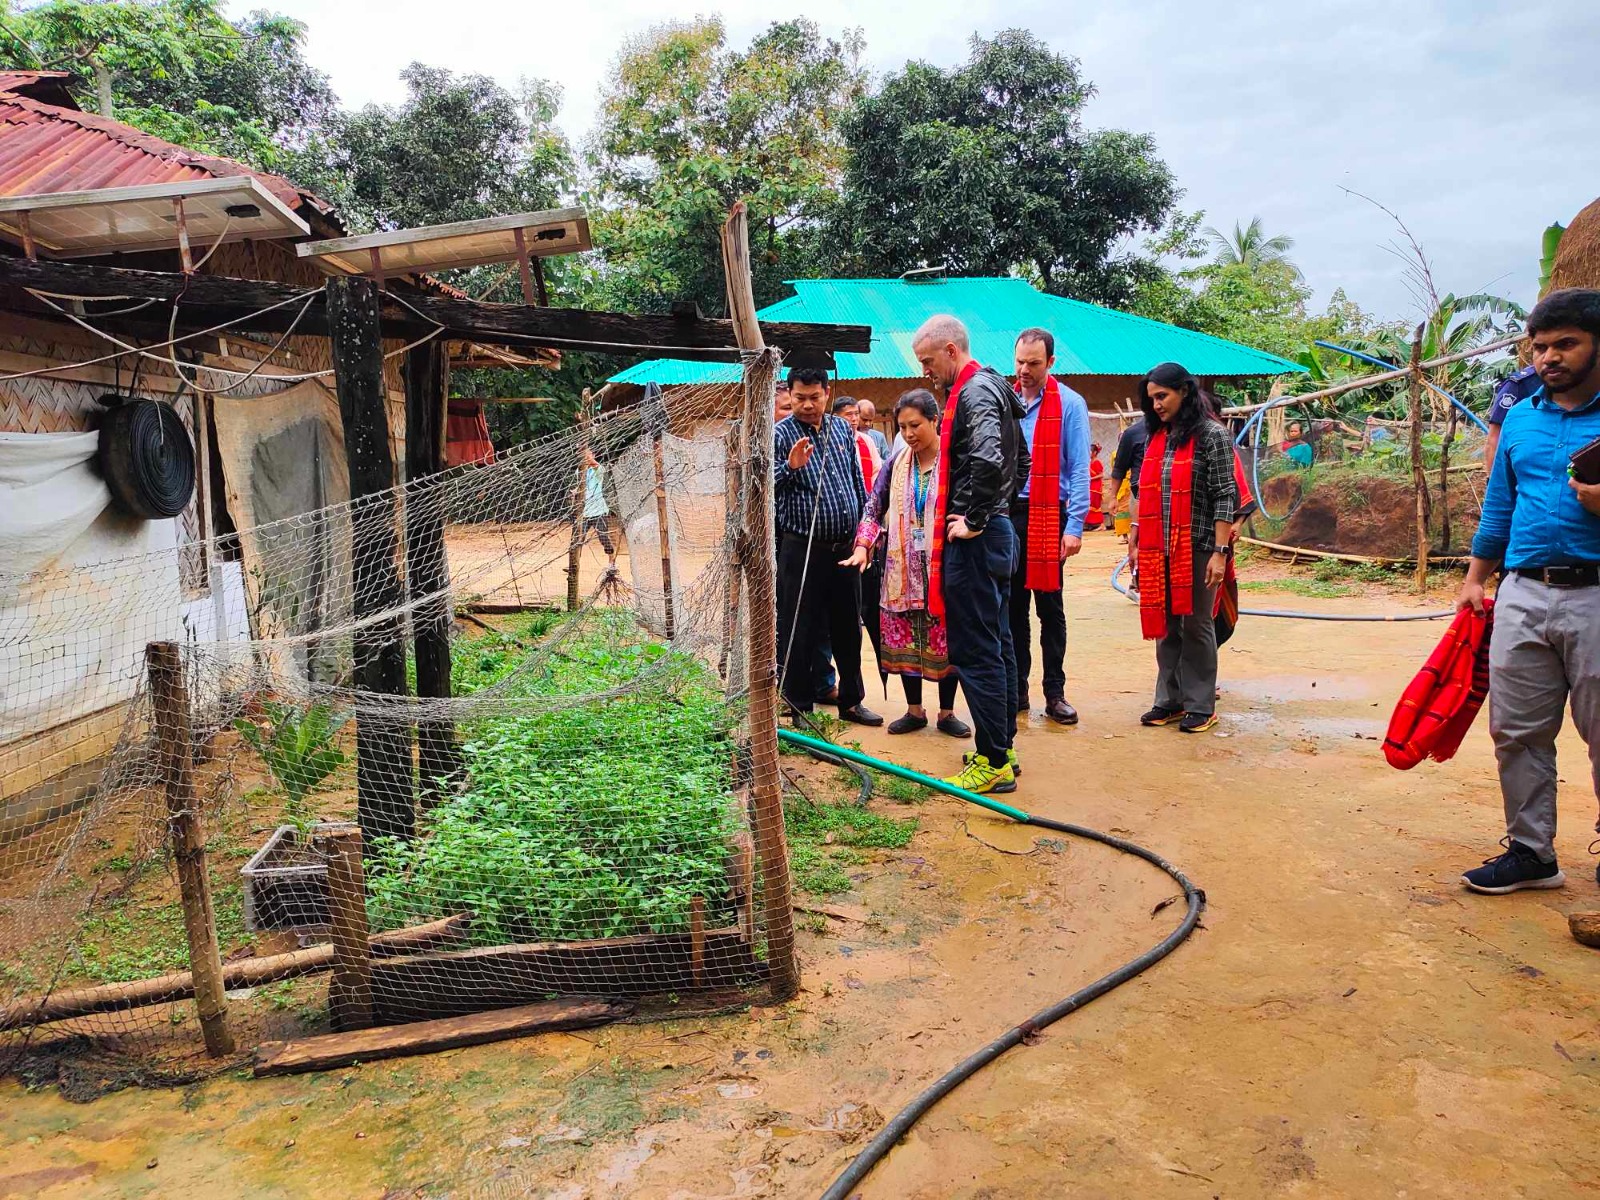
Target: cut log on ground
[[247, 972], [1585, 927], [395, 1041], [426, 986]]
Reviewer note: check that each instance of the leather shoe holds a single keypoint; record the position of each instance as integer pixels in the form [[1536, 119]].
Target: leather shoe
[[954, 726], [860, 715], [1059, 711], [908, 724]]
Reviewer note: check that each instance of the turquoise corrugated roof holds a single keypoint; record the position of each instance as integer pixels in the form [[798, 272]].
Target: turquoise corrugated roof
[[1090, 340]]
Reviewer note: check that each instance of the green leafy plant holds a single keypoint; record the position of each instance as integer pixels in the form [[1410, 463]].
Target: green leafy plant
[[298, 748], [578, 821]]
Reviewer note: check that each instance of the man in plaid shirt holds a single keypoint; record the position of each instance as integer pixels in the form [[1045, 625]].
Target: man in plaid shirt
[[818, 495]]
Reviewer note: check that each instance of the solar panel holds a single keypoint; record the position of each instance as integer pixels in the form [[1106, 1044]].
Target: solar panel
[[459, 244], [132, 219]]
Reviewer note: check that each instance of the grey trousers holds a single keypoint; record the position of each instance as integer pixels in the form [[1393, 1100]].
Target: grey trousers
[[1186, 659], [1545, 648]]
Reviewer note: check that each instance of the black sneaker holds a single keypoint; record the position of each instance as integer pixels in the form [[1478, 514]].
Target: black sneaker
[[1518, 868], [1161, 716], [1197, 722]]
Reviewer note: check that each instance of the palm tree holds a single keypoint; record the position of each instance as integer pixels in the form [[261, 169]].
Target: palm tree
[[1250, 247]]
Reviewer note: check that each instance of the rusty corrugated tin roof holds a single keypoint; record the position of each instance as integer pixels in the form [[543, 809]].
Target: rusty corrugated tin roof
[[53, 148]]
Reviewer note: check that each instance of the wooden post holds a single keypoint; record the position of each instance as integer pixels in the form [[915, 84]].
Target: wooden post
[[385, 802], [697, 940], [761, 631], [427, 564], [1444, 479], [662, 535], [350, 988], [579, 492], [185, 258], [1419, 479], [169, 701], [732, 483]]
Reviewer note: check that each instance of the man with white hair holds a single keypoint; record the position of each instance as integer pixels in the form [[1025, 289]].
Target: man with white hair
[[983, 458]]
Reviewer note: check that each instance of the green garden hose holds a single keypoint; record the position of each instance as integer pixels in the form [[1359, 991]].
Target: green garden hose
[[902, 1122]]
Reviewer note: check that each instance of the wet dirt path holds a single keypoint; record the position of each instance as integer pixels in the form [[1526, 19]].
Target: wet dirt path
[[1347, 1023]]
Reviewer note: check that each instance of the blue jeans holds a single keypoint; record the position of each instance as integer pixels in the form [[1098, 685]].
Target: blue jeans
[[977, 602]]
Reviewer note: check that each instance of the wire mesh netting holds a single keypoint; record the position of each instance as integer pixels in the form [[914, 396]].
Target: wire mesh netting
[[571, 820]]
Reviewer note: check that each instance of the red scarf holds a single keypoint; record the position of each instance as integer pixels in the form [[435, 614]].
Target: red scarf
[[1044, 494], [1175, 545], [1438, 706], [864, 452], [941, 506]]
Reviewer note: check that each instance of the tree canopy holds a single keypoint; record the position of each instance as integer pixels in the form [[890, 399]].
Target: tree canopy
[[687, 126], [987, 169]]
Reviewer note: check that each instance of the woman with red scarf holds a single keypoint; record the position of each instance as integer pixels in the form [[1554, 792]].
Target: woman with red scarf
[[1182, 542]]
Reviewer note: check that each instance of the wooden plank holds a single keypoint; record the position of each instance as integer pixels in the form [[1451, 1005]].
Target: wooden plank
[[425, 1037], [427, 563], [385, 800], [245, 972], [23, 761], [104, 375], [170, 703], [424, 986], [211, 299]]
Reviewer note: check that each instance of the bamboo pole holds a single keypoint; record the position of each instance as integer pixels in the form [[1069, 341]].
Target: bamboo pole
[[170, 701], [350, 988], [766, 798], [575, 551], [1419, 478], [1353, 385], [1355, 558], [730, 620], [662, 536]]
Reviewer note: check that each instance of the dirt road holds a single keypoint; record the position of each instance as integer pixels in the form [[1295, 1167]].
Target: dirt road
[[1347, 1023]]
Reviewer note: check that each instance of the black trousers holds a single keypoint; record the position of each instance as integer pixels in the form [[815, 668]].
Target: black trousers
[[1052, 611], [977, 599], [912, 685], [827, 607], [871, 594]]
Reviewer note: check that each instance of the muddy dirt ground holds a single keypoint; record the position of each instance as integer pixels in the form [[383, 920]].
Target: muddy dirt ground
[[1347, 1022]]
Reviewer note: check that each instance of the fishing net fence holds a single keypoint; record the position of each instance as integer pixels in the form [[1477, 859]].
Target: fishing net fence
[[572, 820]]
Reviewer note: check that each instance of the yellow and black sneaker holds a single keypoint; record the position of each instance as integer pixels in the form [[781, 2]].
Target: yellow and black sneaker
[[1161, 716], [978, 776], [1197, 722]]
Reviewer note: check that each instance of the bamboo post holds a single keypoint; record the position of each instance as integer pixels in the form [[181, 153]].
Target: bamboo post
[[1419, 479], [575, 551], [730, 620], [662, 535], [761, 633], [350, 988], [385, 801], [1444, 479], [170, 701]]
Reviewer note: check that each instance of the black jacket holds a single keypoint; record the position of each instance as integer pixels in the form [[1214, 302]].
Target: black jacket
[[988, 454]]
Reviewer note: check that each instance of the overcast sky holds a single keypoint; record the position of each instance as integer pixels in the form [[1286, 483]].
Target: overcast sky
[[1475, 120]]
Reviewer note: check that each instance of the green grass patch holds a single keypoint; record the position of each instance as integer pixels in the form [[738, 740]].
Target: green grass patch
[[1315, 588], [826, 838], [130, 941]]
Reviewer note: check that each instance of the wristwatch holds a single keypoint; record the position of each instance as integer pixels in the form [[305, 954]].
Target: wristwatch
[[1225, 551]]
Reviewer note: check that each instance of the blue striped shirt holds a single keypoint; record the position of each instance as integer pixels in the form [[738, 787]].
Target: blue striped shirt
[[830, 482]]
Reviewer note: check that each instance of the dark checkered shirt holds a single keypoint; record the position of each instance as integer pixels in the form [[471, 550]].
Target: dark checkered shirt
[[830, 482], [1215, 496]]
